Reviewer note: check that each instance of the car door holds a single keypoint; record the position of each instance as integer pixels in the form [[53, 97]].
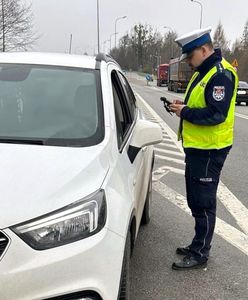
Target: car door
[[126, 115], [146, 152]]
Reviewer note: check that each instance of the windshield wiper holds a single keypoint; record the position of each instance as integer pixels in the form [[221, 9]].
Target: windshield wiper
[[20, 141]]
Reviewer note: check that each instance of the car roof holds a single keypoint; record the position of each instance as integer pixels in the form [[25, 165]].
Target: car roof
[[50, 59]]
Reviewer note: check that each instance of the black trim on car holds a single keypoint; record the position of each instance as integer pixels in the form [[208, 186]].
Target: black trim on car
[[131, 121], [132, 152], [128, 133], [133, 238], [4, 243], [77, 296], [106, 58], [134, 119]]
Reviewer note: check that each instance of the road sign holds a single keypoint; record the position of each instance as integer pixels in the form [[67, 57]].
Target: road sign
[[148, 77], [235, 63]]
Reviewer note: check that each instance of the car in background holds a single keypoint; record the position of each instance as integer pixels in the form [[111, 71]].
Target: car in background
[[75, 176], [242, 93]]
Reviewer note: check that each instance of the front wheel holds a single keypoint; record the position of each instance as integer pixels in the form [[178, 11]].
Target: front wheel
[[146, 212], [124, 293]]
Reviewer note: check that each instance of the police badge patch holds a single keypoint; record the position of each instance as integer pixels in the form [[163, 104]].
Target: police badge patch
[[219, 93]]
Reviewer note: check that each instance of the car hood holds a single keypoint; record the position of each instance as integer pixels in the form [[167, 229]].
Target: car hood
[[35, 180]]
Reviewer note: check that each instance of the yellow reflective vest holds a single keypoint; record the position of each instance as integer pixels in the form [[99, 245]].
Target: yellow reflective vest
[[212, 136]]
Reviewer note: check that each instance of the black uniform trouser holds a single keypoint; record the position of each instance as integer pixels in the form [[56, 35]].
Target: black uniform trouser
[[202, 175]]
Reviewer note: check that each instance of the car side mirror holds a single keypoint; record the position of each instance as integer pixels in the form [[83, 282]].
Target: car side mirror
[[145, 133]]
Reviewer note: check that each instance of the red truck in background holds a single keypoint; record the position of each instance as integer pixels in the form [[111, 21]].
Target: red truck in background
[[162, 74]]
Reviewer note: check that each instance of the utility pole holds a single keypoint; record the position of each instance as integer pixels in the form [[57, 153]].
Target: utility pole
[[70, 44], [3, 25], [111, 40], [117, 19], [98, 28], [201, 11]]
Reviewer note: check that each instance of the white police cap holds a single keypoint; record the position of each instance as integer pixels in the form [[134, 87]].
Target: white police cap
[[192, 40]]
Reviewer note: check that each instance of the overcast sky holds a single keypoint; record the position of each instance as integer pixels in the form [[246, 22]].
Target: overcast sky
[[55, 20]]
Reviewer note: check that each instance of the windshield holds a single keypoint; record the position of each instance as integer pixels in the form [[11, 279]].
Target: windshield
[[243, 84], [50, 105]]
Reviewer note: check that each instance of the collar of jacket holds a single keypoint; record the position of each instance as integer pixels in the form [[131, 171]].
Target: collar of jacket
[[209, 63]]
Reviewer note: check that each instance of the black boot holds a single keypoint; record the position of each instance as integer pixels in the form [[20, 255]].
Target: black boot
[[188, 263]]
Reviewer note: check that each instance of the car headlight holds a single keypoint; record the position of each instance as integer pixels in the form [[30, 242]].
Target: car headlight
[[74, 222]]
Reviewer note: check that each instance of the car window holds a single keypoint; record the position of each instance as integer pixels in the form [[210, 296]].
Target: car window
[[122, 112], [129, 94], [52, 105]]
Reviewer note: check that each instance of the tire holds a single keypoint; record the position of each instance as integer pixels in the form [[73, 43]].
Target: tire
[[146, 211], [176, 89], [124, 291], [238, 103], [246, 103]]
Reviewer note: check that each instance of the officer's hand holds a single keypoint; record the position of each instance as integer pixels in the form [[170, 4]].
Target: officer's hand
[[176, 101], [177, 108]]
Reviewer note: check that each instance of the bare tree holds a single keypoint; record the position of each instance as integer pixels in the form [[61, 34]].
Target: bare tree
[[170, 48], [244, 39], [144, 47], [16, 23], [220, 40], [241, 54]]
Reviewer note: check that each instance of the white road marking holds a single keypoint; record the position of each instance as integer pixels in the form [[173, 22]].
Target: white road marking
[[226, 231], [168, 143], [163, 171], [165, 135], [165, 151], [157, 89], [170, 159], [241, 116], [175, 95], [167, 138], [162, 145], [157, 175], [232, 204]]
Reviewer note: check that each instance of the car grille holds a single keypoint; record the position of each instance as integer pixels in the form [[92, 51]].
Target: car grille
[[3, 243]]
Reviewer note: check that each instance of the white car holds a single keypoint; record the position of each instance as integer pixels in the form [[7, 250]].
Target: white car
[[75, 177]]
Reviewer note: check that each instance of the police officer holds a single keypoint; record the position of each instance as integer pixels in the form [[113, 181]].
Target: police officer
[[206, 130]]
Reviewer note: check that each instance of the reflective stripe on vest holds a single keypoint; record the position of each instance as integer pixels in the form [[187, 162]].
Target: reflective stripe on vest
[[212, 136]]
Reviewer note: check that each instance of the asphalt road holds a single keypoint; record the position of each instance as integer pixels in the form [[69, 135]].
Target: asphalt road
[[171, 225]]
